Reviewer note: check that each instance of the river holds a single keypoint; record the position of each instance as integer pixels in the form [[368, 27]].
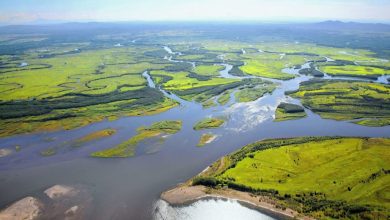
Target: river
[[129, 188]]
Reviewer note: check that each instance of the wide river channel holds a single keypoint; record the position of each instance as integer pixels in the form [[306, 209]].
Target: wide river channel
[[129, 188]]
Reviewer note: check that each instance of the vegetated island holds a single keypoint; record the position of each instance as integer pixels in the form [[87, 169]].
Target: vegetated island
[[206, 139], [96, 135], [364, 102], [93, 136], [305, 177], [127, 148], [48, 152], [209, 123], [353, 70], [288, 111], [253, 91]]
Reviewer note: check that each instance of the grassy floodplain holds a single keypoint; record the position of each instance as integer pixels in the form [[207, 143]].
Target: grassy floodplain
[[76, 87], [107, 82], [322, 177], [127, 148], [270, 65], [354, 70], [269, 58], [208, 70], [181, 81], [208, 90], [288, 111], [77, 116], [209, 123], [368, 103], [254, 91]]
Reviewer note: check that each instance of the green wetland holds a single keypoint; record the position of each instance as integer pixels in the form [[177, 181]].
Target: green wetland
[[126, 115]]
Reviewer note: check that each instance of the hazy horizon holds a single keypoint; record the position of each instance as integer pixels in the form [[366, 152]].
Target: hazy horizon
[[277, 11]]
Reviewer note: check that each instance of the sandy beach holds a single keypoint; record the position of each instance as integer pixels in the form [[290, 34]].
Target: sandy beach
[[185, 194]]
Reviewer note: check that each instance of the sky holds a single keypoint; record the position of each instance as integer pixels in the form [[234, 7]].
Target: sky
[[29, 11]]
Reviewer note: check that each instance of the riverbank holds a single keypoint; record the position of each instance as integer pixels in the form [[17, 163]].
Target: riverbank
[[294, 178], [186, 194]]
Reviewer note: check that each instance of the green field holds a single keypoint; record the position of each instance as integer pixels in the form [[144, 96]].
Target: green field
[[127, 148], [181, 81], [208, 70], [353, 70], [321, 177], [269, 65], [369, 103]]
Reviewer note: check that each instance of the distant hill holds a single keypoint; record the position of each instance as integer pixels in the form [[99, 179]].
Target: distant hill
[[337, 25]]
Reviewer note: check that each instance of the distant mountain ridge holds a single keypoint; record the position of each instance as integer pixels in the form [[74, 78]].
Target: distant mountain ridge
[[335, 24], [327, 23]]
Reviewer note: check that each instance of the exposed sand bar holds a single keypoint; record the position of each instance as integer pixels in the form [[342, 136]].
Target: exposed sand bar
[[185, 195]]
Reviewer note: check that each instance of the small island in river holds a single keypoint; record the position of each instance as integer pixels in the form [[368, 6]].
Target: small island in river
[[288, 111]]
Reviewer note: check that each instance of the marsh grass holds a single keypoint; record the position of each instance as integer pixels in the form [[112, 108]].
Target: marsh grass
[[127, 148], [347, 100]]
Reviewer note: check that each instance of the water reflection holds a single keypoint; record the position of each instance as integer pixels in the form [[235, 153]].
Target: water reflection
[[225, 209]]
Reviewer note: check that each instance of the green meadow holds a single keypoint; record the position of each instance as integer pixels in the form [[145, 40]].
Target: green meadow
[[268, 65], [322, 177], [353, 70], [182, 81], [208, 70]]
